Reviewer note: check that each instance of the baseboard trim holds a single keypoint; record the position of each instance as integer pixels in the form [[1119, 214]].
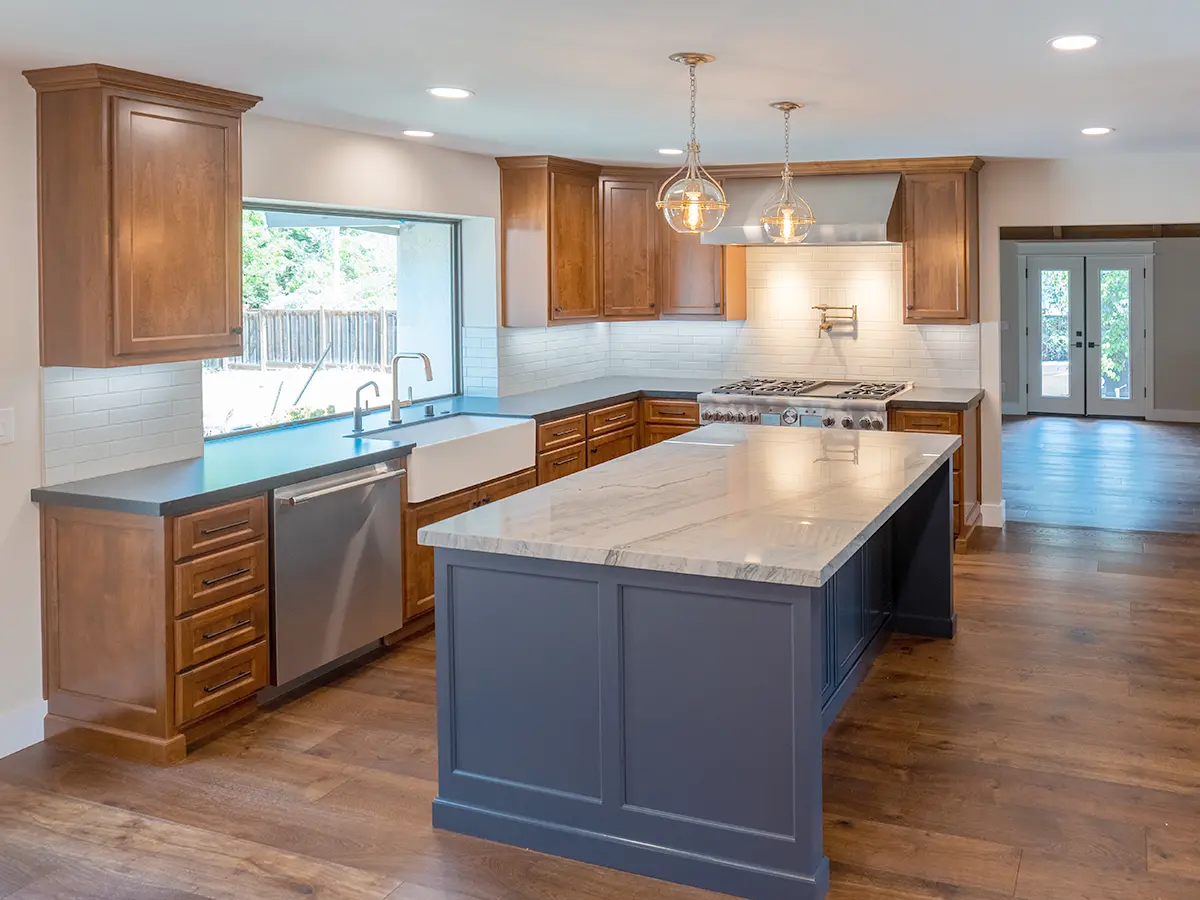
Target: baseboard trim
[[1012, 408], [994, 515], [21, 727], [680, 867], [1173, 415]]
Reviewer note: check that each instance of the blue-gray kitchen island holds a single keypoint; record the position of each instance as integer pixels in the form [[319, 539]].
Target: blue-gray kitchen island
[[636, 664]]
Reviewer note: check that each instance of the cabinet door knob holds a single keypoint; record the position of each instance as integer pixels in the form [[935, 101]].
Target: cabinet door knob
[[236, 329], [558, 309]]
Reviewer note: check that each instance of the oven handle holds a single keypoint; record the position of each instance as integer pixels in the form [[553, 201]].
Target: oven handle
[[338, 488]]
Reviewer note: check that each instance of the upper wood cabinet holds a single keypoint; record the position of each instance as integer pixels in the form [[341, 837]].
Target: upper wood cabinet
[[941, 247], [629, 241], [139, 217], [701, 281], [549, 240]]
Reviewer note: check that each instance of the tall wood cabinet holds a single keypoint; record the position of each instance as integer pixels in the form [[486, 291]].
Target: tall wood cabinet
[[139, 217], [629, 230], [941, 247]]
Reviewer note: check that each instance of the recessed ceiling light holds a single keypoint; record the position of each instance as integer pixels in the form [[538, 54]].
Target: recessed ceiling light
[[415, 133], [1075, 42], [671, 151], [450, 93], [1096, 130]]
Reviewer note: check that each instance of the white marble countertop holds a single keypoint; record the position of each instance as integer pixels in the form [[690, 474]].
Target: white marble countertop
[[779, 505]]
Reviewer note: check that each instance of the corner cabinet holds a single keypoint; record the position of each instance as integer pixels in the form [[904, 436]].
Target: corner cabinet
[[549, 240], [941, 247], [629, 230], [139, 217]]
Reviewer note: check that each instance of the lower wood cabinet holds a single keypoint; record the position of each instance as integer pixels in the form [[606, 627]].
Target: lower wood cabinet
[[653, 433], [418, 559], [967, 484], [663, 419], [562, 462], [610, 446], [157, 630]]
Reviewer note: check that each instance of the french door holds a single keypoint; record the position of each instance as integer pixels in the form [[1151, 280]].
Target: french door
[[1087, 335]]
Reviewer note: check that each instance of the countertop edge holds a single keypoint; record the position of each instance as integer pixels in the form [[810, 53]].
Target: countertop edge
[[902, 402], [179, 506], [624, 397]]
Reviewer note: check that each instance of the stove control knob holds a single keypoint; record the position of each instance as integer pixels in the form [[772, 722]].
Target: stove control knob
[[728, 417], [847, 422], [827, 421], [877, 424], [790, 416], [754, 417], [741, 417], [706, 415], [864, 422]]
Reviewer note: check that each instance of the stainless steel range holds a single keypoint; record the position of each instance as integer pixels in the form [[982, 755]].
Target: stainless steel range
[[807, 403]]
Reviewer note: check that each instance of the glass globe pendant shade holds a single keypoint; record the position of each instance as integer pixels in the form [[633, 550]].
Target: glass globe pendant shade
[[692, 203], [786, 218]]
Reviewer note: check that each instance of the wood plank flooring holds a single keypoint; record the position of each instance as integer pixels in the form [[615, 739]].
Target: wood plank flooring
[[1102, 473], [1050, 752]]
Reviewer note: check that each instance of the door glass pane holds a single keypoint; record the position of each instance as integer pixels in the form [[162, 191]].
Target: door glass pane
[[1114, 334], [1055, 312]]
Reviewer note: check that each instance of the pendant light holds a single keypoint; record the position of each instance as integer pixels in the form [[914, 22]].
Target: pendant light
[[690, 199], [786, 218]]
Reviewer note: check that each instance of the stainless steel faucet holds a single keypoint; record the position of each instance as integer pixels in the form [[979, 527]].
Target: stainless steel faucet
[[397, 403], [359, 409]]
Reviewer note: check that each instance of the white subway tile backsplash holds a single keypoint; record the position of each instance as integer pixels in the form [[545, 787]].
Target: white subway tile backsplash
[[102, 421]]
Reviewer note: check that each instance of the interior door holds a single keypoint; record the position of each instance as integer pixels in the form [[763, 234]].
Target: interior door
[[1057, 358], [1116, 295]]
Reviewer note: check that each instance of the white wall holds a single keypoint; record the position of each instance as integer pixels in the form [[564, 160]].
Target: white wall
[[21, 706], [1177, 326], [1104, 190], [780, 336]]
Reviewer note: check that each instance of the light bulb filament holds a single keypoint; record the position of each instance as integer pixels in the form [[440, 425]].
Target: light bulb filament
[[788, 229], [692, 216]]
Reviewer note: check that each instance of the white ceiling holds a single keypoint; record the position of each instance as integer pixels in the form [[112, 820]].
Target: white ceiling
[[881, 77]]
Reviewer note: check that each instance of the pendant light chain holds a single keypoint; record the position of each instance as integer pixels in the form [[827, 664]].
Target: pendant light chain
[[692, 71], [787, 142], [691, 200]]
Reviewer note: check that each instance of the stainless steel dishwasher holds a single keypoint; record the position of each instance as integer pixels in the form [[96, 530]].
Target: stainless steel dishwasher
[[339, 579]]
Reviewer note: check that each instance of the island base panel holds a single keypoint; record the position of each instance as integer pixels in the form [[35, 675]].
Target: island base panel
[[923, 528]]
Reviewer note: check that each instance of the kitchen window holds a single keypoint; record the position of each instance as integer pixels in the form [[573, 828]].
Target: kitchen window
[[327, 300]]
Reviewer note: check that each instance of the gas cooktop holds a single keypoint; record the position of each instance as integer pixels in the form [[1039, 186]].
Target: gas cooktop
[[814, 388]]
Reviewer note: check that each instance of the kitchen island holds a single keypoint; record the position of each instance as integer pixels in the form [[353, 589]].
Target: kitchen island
[[636, 664]]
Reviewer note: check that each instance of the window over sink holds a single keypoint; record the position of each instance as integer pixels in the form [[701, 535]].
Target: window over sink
[[328, 298]]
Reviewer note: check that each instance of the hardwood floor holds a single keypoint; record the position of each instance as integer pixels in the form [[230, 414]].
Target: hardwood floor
[[1050, 752], [1102, 473]]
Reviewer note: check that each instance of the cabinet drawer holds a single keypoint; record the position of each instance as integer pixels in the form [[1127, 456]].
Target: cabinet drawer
[[223, 526], [656, 434], [561, 433], [610, 446], [217, 684], [611, 418], [931, 421], [507, 486], [219, 629], [563, 462], [671, 412], [220, 576]]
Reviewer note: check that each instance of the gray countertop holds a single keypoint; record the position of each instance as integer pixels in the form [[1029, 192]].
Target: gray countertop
[[939, 398], [243, 465], [240, 466]]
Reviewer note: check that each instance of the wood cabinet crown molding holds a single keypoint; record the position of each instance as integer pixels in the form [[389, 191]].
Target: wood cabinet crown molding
[[558, 163], [913, 166], [96, 75]]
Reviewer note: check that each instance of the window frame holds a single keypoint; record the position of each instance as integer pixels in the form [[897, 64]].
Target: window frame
[[456, 289]]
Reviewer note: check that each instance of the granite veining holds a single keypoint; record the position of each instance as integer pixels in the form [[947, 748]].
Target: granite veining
[[776, 505]]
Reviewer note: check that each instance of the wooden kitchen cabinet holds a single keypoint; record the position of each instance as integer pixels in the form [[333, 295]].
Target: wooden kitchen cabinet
[[549, 240], [630, 227], [653, 433], [418, 559], [966, 467], [152, 642], [139, 217], [611, 445], [612, 418], [700, 281], [664, 419], [941, 248]]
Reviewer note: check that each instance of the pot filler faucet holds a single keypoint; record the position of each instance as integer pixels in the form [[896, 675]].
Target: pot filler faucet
[[397, 403]]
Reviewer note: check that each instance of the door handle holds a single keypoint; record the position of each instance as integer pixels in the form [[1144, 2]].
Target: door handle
[[1091, 344], [1079, 344], [322, 492]]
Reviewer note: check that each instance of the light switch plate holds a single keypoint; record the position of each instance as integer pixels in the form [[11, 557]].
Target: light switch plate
[[8, 426]]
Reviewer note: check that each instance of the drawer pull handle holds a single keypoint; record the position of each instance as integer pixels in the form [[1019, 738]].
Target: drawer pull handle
[[236, 573], [565, 433], [241, 676], [213, 635], [617, 418], [219, 528], [671, 412], [569, 459]]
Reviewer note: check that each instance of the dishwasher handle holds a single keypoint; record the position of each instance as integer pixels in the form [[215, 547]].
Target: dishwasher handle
[[297, 499]]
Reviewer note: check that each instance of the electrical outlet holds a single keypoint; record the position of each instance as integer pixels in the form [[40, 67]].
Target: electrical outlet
[[8, 426]]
